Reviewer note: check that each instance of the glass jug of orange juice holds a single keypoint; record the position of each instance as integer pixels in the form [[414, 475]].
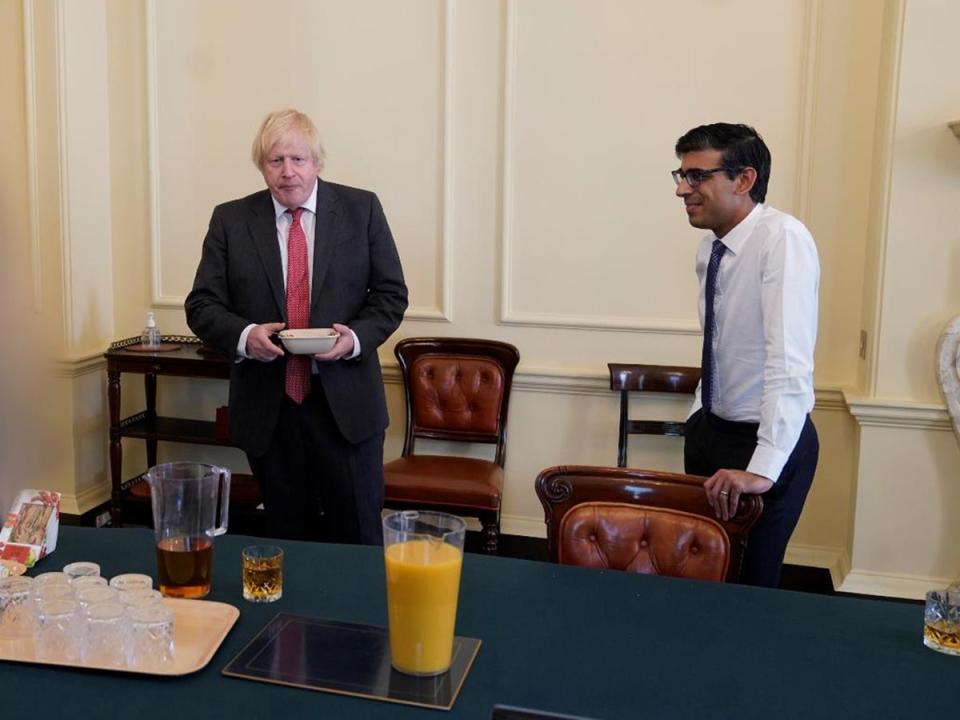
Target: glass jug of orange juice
[[423, 552]]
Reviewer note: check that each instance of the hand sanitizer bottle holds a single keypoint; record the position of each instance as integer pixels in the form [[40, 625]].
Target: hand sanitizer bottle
[[150, 337]]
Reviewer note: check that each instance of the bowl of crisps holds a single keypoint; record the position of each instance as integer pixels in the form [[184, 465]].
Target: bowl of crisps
[[308, 341]]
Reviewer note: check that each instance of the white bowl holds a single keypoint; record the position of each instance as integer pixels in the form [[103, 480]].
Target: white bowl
[[309, 341]]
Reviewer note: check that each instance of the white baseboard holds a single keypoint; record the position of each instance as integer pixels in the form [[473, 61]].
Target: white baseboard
[[912, 587], [77, 504], [523, 525], [833, 559]]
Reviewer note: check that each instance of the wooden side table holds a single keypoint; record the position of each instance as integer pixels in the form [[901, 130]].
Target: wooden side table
[[179, 356]]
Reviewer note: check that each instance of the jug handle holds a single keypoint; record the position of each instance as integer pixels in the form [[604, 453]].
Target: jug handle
[[223, 513]]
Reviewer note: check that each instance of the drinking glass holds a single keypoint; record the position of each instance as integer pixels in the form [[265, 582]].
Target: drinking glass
[[58, 630], [52, 591], [140, 596], [262, 573], [151, 637], [94, 595], [82, 569], [88, 581], [423, 553], [52, 577], [130, 581], [104, 635], [941, 621], [16, 608]]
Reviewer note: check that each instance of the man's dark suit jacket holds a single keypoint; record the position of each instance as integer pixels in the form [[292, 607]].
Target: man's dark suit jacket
[[357, 281]]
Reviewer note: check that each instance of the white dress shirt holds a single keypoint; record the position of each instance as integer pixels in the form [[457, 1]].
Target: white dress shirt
[[766, 329], [308, 221]]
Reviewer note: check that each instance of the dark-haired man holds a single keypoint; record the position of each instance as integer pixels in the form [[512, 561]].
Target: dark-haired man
[[749, 430]]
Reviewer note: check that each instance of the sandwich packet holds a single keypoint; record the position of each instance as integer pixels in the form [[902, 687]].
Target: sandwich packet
[[30, 528]]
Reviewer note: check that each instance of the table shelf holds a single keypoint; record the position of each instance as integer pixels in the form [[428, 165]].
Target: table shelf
[[182, 357], [172, 429]]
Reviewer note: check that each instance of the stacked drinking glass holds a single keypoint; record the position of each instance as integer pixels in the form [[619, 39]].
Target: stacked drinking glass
[[76, 616]]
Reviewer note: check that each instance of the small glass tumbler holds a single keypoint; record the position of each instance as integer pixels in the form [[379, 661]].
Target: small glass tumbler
[[58, 635], [88, 581], [17, 614], [140, 596], [262, 573], [95, 595], [82, 569], [941, 621], [51, 577], [105, 635], [52, 591], [151, 637], [129, 581]]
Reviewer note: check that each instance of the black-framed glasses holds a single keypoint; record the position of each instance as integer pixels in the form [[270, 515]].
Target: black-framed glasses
[[695, 176]]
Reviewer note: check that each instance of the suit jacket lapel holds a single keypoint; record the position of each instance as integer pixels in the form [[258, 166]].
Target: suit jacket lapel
[[263, 231], [326, 235]]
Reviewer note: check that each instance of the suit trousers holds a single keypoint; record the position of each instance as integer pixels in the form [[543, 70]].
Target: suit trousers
[[315, 484], [713, 443]]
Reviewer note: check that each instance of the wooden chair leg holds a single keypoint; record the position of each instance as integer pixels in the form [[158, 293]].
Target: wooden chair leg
[[491, 537]]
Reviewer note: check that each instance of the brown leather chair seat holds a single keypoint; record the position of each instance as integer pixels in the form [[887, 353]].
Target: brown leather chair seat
[[479, 482]]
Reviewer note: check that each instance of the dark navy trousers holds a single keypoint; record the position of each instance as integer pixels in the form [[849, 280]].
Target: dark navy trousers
[[713, 444]]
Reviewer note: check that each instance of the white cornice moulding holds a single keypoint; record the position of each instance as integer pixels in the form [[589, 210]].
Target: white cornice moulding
[[877, 412], [589, 382]]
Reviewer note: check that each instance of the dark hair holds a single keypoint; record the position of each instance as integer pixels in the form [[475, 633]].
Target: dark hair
[[741, 146]]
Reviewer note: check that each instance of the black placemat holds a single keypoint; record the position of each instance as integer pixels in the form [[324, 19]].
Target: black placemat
[[345, 658]]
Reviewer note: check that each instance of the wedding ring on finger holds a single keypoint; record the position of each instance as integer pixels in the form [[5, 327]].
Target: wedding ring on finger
[[724, 493]]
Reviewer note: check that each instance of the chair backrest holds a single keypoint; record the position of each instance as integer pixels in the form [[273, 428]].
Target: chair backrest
[[628, 377], [457, 389], [641, 521]]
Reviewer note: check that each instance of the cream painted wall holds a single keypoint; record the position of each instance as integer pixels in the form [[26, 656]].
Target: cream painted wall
[[35, 442], [908, 467], [521, 149], [923, 235]]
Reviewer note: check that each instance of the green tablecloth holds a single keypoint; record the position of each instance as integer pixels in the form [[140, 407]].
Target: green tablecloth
[[601, 644]]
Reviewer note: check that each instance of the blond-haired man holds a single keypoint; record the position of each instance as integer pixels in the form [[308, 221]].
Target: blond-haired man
[[303, 253]]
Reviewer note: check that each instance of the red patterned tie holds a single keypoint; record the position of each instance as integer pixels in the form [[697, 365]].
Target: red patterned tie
[[298, 306]]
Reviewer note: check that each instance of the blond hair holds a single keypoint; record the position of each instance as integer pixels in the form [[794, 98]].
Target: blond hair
[[279, 123]]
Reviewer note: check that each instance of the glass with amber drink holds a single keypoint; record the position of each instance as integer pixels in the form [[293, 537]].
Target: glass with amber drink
[[423, 554], [941, 621], [262, 573]]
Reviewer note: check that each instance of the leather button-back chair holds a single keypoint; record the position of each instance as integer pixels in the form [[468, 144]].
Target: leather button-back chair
[[627, 378], [457, 389], [642, 521]]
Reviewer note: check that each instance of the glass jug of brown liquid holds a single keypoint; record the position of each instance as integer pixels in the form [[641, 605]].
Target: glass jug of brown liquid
[[190, 507]]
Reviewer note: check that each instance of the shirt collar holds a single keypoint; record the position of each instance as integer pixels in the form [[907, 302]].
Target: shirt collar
[[310, 203], [736, 238]]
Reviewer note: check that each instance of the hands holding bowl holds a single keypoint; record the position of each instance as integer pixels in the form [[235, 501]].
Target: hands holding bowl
[[324, 344]]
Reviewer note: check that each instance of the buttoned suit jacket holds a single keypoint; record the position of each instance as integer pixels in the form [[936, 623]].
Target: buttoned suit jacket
[[357, 281]]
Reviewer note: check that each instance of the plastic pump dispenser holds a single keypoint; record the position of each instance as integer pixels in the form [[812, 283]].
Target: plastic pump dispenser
[[150, 337]]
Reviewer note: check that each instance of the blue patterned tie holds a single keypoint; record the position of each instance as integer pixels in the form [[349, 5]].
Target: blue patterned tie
[[709, 326]]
